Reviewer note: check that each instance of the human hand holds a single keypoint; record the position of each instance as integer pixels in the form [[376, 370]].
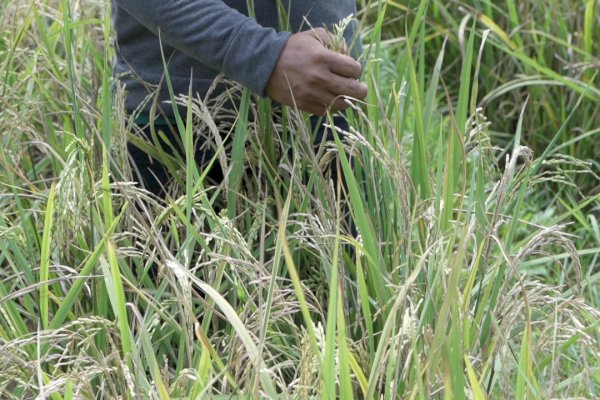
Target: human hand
[[313, 78]]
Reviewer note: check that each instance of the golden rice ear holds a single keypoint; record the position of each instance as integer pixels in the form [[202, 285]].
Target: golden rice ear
[[339, 42]]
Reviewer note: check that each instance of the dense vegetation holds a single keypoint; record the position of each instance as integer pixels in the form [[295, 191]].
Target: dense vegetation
[[474, 190]]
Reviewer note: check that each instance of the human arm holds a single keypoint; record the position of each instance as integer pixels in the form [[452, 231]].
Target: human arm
[[292, 69], [215, 34]]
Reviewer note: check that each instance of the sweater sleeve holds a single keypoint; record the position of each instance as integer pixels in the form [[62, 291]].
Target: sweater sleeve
[[216, 35]]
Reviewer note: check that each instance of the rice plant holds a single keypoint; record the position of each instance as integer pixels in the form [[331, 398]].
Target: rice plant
[[467, 267]]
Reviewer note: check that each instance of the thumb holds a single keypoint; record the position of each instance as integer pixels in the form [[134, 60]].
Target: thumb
[[322, 35], [328, 40]]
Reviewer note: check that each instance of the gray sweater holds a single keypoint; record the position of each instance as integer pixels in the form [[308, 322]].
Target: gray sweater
[[201, 38]]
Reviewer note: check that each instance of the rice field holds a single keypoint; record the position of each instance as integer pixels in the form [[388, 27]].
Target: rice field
[[460, 259]]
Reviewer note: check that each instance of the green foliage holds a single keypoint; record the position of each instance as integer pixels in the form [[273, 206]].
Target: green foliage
[[470, 177]]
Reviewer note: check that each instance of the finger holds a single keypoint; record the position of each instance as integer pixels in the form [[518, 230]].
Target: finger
[[341, 86], [332, 102], [326, 101], [315, 109], [344, 65], [338, 104]]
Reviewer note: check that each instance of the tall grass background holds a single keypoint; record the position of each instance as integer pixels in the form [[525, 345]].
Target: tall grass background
[[473, 185]]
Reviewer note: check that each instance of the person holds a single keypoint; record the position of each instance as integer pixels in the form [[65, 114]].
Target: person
[[199, 39]]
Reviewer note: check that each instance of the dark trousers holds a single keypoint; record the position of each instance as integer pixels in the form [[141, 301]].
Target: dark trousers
[[151, 174]]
